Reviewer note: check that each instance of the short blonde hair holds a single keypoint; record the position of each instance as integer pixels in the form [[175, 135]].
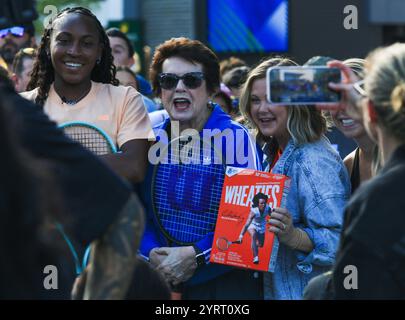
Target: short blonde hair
[[385, 86], [304, 124]]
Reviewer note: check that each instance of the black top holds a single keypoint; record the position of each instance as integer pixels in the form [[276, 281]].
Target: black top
[[355, 174], [93, 195], [373, 239]]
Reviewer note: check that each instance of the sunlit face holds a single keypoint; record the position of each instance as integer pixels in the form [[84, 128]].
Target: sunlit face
[[25, 76], [349, 127], [262, 204], [271, 120], [75, 47], [126, 79], [120, 52], [189, 106]]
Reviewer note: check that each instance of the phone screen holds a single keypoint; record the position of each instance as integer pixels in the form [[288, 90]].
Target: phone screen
[[302, 85]]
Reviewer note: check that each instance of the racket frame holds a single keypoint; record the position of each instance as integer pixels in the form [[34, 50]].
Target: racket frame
[[91, 126], [165, 153]]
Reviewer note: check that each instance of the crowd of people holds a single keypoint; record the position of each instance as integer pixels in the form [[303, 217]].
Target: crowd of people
[[340, 211]]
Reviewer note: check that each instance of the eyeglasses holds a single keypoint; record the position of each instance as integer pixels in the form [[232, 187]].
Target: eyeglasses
[[191, 80], [15, 31], [359, 87]]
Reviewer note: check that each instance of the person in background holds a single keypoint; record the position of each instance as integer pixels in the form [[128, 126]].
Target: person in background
[[13, 39], [229, 64], [123, 53], [359, 162], [127, 77], [22, 68], [309, 227], [224, 100], [233, 74], [373, 238]]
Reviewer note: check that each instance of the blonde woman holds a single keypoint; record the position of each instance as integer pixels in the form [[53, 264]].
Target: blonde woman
[[294, 144]]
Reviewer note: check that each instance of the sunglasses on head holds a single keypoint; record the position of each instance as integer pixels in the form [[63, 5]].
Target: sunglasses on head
[[191, 80], [15, 31]]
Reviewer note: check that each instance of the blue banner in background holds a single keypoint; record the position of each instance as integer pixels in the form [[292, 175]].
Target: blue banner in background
[[248, 26]]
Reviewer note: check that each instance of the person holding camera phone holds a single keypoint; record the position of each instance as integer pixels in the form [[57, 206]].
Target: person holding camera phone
[[294, 145]]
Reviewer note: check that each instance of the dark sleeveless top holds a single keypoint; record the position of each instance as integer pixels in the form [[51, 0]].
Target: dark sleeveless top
[[355, 174]]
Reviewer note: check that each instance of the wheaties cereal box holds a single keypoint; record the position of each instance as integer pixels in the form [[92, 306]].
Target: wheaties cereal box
[[241, 237]]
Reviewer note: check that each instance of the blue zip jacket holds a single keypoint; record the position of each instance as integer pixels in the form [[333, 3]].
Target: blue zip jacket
[[246, 154]]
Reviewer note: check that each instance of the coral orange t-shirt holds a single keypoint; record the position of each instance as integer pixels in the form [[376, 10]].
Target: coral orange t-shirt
[[119, 111]]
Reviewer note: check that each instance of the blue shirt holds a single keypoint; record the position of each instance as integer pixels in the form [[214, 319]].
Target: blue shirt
[[219, 121], [320, 188]]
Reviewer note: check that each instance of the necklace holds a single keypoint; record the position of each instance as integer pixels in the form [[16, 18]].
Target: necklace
[[72, 102]]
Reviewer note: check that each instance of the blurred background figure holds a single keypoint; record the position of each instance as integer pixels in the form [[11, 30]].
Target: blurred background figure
[[127, 77], [233, 73], [373, 238], [234, 80], [22, 68], [224, 100], [229, 64], [13, 39], [123, 53], [359, 161]]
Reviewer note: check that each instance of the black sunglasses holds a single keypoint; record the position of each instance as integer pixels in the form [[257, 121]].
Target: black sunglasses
[[191, 80]]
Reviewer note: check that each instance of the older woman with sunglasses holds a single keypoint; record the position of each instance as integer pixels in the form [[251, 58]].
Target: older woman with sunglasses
[[185, 74]]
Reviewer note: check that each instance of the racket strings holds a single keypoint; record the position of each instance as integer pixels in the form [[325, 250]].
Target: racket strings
[[187, 191], [89, 138]]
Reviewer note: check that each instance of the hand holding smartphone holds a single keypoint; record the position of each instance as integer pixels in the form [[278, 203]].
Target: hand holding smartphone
[[296, 85]]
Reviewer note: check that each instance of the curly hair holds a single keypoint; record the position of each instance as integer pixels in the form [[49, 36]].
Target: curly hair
[[257, 197], [193, 51], [43, 73]]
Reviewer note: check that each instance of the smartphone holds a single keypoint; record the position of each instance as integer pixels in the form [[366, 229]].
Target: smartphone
[[297, 85]]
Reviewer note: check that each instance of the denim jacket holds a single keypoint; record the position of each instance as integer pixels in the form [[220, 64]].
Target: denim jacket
[[320, 188]]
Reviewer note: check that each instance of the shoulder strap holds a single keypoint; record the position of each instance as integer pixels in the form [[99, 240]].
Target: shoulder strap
[[355, 174]]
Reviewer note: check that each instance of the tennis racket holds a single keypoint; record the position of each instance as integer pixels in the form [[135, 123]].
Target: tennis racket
[[89, 136], [186, 189], [98, 142], [80, 265], [223, 243]]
